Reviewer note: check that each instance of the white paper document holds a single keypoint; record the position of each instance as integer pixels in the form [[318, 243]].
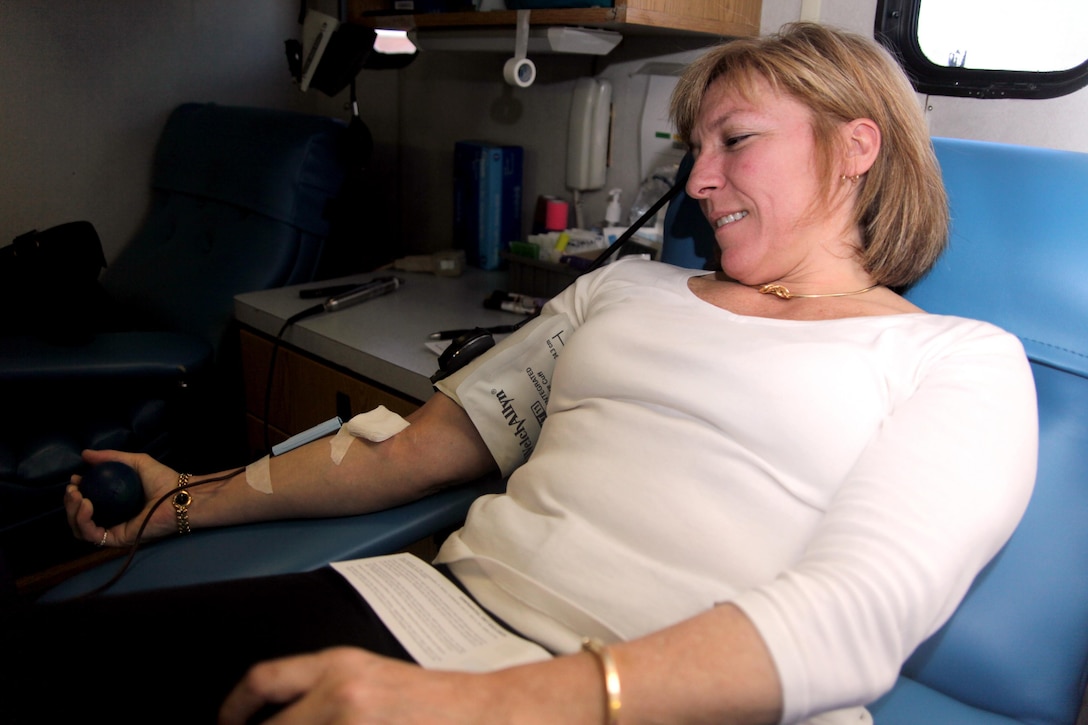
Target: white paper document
[[439, 625]]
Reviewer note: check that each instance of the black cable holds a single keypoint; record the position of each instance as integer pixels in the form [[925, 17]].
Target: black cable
[[639, 223], [308, 312], [140, 533], [623, 238]]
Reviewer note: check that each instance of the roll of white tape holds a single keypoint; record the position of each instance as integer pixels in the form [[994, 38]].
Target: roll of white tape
[[520, 72]]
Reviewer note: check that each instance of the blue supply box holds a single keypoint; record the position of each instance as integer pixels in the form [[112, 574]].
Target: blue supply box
[[487, 191]]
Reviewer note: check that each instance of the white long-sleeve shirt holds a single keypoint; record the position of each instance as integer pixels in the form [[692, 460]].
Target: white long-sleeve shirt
[[841, 481]]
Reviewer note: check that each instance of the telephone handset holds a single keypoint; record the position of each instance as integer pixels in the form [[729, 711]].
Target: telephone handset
[[588, 136]]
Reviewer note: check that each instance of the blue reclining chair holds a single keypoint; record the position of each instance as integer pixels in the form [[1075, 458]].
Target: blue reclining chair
[[1016, 650], [240, 201]]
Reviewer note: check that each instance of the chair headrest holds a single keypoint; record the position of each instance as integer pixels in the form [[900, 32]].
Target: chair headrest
[[222, 153], [1018, 250]]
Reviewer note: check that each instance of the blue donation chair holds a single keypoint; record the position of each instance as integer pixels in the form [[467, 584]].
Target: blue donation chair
[[241, 201], [1016, 650]]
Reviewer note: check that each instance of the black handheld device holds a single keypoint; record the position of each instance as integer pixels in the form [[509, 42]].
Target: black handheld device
[[462, 350], [374, 288]]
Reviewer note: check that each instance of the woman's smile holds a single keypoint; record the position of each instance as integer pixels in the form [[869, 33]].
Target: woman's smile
[[729, 219]]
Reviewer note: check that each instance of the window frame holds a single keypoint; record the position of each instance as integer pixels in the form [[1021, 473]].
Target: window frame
[[896, 28]]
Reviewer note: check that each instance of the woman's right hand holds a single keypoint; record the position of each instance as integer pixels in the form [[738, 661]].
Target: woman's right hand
[[157, 480]]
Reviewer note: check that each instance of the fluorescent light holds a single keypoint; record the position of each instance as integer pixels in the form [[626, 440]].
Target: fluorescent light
[[393, 42]]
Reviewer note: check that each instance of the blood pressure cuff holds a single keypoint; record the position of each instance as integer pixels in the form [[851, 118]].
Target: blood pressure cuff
[[505, 391]]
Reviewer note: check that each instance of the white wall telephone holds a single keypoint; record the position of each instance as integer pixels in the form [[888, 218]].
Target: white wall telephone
[[588, 136]]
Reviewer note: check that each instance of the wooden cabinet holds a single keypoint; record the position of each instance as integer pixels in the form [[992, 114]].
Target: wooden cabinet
[[710, 17], [305, 391]]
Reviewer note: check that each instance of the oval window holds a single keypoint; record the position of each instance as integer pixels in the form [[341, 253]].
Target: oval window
[[989, 48]]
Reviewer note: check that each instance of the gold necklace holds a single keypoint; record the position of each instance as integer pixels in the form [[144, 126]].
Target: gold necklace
[[783, 292]]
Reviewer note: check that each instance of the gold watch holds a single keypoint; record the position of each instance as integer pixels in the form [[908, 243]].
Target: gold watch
[[181, 502]]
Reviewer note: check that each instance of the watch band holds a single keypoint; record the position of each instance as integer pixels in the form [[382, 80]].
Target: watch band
[[181, 502]]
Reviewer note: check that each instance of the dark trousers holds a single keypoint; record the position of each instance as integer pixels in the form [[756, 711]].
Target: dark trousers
[[173, 655]]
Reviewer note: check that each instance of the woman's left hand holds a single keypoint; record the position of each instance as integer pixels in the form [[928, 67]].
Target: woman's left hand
[[345, 684], [674, 676]]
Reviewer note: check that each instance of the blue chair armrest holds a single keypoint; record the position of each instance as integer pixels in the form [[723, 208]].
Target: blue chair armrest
[[278, 547]]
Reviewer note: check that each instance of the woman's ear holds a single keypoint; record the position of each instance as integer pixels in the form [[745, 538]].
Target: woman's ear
[[862, 143]]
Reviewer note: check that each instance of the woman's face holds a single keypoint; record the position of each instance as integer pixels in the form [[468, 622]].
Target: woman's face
[[756, 180]]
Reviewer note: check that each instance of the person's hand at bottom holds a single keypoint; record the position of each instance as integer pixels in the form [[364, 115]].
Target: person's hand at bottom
[[345, 684]]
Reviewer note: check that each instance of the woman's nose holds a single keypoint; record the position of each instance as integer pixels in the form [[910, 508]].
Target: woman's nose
[[703, 179]]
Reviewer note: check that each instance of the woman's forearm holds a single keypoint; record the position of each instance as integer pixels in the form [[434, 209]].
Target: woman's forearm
[[440, 447], [713, 668]]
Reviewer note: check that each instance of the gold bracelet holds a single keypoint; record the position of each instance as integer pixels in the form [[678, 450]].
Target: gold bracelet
[[611, 678], [181, 502]]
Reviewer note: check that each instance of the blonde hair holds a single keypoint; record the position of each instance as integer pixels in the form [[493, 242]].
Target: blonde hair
[[902, 209]]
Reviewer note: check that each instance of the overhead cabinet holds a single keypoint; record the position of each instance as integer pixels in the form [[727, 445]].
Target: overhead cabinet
[[731, 18]]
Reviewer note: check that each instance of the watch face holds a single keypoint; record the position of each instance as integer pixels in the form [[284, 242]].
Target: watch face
[[182, 498]]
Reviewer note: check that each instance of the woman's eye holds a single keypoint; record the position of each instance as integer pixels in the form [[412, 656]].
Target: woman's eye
[[732, 141]]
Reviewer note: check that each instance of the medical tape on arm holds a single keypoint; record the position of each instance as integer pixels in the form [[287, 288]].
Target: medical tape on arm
[[375, 426], [259, 474], [506, 391]]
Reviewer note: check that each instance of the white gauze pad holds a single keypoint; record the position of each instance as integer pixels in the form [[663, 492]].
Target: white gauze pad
[[375, 426]]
